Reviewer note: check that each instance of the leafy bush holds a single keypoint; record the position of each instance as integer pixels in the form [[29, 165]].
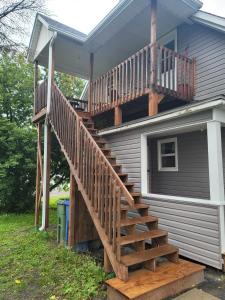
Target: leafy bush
[[17, 167]]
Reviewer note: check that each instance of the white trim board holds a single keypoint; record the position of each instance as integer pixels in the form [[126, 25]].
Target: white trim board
[[183, 199]]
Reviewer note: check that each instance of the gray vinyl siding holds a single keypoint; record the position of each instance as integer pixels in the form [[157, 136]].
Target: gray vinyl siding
[[126, 146], [192, 177], [193, 228], [208, 47]]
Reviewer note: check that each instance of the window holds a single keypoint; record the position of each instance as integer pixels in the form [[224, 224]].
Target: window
[[167, 155]]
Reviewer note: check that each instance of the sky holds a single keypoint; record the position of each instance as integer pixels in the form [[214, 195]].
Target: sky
[[74, 13]]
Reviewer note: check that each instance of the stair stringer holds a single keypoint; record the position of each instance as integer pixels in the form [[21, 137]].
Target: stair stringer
[[120, 269]]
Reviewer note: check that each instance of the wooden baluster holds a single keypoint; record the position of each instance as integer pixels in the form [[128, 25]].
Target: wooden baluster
[[193, 77], [126, 81], [169, 69], [110, 209], [96, 181], [116, 89], [103, 198], [99, 186], [131, 78], [142, 72], [138, 74], [134, 77], [147, 70], [106, 207], [118, 216], [114, 217], [165, 69], [123, 81]]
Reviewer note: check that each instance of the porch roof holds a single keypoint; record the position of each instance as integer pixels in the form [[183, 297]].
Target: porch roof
[[125, 30]]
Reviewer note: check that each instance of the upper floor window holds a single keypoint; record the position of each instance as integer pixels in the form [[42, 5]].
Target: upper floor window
[[167, 155]]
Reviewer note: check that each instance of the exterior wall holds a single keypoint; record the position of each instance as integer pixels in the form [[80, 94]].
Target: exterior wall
[[207, 46], [192, 177], [126, 146], [193, 227]]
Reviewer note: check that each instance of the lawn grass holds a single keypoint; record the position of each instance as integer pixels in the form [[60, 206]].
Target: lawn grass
[[54, 200], [33, 266]]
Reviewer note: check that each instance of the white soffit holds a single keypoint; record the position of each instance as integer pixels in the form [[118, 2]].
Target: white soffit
[[122, 32]]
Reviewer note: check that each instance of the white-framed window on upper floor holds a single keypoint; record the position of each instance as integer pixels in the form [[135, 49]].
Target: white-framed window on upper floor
[[167, 151]]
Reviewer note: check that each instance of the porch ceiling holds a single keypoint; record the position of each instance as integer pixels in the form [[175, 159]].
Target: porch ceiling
[[123, 32]]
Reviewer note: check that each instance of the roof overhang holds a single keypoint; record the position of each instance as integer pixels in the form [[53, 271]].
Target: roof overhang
[[210, 20], [121, 33]]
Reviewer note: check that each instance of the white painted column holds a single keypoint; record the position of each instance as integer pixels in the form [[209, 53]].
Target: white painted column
[[215, 159], [216, 177], [47, 140], [144, 164]]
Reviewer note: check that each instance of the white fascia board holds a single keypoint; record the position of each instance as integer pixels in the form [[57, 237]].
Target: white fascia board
[[207, 19], [165, 117], [34, 38], [194, 4]]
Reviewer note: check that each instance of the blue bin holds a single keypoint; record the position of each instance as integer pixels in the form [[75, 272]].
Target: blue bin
[[67, 207]]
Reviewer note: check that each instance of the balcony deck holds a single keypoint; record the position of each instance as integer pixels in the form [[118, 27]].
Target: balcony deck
[[173, 74]]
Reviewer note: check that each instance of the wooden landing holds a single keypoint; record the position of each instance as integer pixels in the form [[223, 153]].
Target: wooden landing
[[169, 280]]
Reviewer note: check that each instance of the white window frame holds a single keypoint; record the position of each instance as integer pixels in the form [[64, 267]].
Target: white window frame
[[160, 155]]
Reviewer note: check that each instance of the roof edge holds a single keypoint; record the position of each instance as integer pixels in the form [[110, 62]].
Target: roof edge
[[210, 20]]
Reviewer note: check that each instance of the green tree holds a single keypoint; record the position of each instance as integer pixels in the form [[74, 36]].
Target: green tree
[[16, 89], [18, 134], [69, 85], [17, 167]]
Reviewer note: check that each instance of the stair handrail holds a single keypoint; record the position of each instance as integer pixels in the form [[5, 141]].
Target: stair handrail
[[126, 193]]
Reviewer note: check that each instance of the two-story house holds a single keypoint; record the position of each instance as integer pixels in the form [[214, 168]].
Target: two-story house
[[146, 151]]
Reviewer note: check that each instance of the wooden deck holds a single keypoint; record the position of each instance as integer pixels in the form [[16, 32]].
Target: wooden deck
[[168, 280]]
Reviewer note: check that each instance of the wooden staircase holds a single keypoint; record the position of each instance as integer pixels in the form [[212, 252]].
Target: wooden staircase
[[108, 194], [130, 235]]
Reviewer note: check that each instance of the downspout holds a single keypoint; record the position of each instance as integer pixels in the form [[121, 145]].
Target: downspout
[[46, 132]]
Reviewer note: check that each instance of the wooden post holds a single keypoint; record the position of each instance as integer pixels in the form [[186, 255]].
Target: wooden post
[[90, 91], [73, 188], [38, 177], [35, 85], [153, 41], [153, 102], [117, 116], [107, 265]]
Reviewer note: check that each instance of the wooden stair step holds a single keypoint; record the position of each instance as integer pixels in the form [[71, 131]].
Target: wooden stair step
[[138, 220], [146, 255], [128, 184], [136, 206], [92, 130], [122, 175], [106, 151], [141, 236], [135, 194]]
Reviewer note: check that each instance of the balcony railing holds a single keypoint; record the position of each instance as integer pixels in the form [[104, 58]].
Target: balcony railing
[[41, 99], [174, 75]]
